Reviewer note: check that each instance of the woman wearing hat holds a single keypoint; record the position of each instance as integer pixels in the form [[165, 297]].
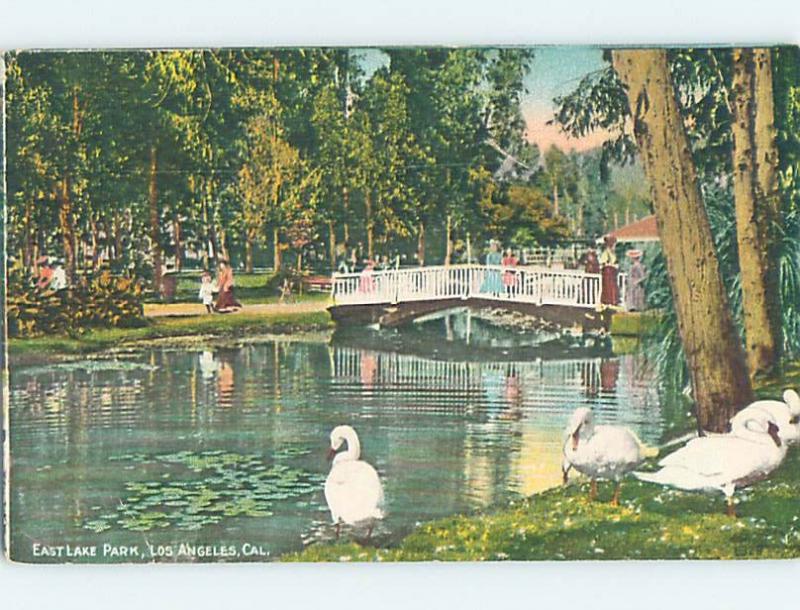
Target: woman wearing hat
[[634, 296], [609, 293]]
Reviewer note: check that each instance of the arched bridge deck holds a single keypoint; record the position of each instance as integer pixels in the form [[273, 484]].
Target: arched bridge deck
[[393, 297]]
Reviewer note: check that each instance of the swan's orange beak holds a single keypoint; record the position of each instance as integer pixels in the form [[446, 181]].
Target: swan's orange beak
[[773, 430], [331, 453]]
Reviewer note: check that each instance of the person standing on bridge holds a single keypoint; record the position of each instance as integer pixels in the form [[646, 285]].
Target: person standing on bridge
[[609, 291], [509, 275], [492, 282]]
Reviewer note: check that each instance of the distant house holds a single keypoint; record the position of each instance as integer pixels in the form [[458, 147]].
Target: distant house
[[644, 230]]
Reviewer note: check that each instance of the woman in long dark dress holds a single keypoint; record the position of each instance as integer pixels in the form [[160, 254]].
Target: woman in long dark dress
[[609, 292], [226, 301]]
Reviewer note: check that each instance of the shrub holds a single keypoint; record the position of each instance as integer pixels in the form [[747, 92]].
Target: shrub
[[107, 301]]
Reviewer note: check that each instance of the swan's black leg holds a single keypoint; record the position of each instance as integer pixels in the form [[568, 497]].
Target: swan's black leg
[[731, 508], [593, 491]]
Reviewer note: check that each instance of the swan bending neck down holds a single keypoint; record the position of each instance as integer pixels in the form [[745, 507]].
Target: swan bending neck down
[[353, 489], [600, 452], [726, 462], [339, 436], [785, 414]]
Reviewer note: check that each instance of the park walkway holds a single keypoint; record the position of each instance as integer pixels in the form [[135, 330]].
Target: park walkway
[[159, 310]]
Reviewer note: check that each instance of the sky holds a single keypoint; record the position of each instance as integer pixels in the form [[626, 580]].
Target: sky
[[555, 71]]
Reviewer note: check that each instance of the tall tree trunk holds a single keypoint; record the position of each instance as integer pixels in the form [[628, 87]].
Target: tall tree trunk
[[248, 252], [66, 223], [223, 244], [711, 343], [421, 244], [176, 229], [27, 246], [346, 213], [155, 229], [276, 252], [448, 255], [370, 223], [332, 244], [555, 198], [753, 221], [768, 191], [95, 243], [117, 229]]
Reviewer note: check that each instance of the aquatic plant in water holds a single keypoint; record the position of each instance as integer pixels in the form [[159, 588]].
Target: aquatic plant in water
[[197, 489]]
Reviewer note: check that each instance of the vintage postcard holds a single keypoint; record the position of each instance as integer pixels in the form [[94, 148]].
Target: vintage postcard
[[389, 304]]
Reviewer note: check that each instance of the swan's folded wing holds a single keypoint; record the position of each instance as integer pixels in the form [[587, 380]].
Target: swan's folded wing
[[707, 456]]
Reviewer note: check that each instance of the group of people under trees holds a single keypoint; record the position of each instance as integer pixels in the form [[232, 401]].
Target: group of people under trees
[[50, 275]]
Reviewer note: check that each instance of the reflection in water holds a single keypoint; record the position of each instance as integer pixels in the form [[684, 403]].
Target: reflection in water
[[227, 444]]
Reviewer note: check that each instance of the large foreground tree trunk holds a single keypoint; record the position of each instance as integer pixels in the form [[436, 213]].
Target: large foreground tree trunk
[[754, 217], [155, 229], [714, 353], [768, 190]]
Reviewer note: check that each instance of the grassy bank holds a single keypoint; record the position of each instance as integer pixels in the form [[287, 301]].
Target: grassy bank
[[651, 523], [634, 323], [23, 351]]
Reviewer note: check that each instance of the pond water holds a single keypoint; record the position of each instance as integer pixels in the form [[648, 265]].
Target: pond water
[[219, 453]]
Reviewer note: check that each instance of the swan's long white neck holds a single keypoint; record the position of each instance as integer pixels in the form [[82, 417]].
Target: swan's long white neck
[[755, 430], [353, 447]]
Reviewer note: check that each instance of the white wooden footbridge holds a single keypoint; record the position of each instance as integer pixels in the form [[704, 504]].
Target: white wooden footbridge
[[392, 297]]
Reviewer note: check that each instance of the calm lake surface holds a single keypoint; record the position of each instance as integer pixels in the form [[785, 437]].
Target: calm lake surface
[[219, 453]]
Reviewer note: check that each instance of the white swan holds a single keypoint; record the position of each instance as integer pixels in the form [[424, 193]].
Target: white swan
[[724, 462], [353, 489], [785, 414], [600, 452]]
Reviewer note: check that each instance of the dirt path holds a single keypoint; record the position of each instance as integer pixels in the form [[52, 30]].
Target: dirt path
[[156, 310]]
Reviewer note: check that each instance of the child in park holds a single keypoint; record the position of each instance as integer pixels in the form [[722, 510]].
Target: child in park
[[207, 290]]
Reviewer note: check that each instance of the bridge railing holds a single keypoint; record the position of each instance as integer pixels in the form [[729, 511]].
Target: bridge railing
[[537, 285]]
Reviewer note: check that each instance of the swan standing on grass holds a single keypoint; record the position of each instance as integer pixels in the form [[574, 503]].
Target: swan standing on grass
[[785, 414], [353, 489], [725, 462], [600, 452]]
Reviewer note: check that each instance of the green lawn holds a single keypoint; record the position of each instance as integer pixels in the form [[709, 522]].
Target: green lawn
[[651, 523], [41, 348], [634, 323], [251, 288]]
